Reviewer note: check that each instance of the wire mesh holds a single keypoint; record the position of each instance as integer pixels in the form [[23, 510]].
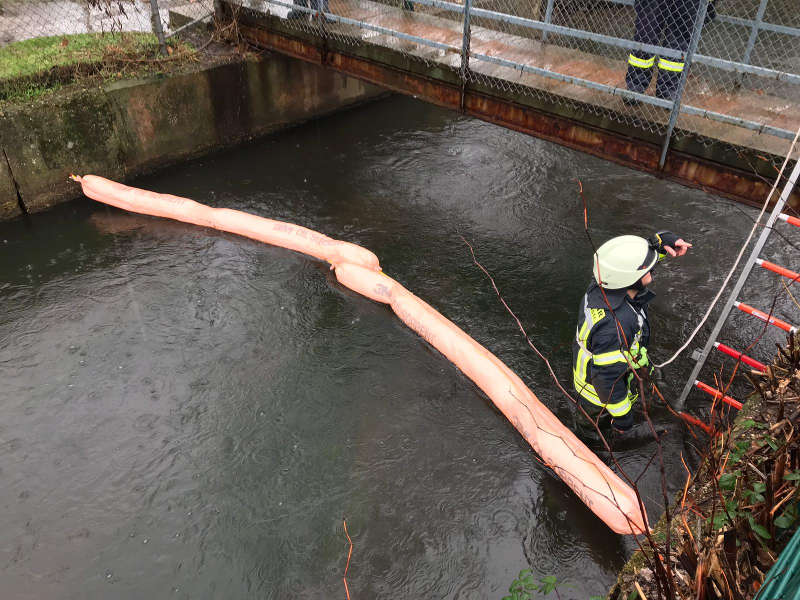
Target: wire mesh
[[619, 60], [27, 19], [590, 54], [742, 35]]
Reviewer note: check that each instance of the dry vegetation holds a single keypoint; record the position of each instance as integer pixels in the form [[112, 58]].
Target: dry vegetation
[[739, 510]]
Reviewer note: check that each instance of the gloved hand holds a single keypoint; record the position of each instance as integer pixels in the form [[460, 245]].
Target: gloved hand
[[641, 360], [666, 242], [661, 239]]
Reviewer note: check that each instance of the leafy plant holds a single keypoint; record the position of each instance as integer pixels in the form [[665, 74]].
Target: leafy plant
[[728, 480], [524, 584], [792, 476], [738, 452], [787, 518], [756, 494]]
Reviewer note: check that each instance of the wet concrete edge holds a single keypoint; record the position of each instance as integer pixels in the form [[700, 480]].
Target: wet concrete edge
[[11, 203], [129, 128]]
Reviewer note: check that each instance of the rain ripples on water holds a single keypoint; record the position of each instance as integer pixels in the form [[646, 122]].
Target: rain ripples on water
[[191, 414]]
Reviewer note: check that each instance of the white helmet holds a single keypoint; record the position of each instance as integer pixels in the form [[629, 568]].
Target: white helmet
[[622, 261]]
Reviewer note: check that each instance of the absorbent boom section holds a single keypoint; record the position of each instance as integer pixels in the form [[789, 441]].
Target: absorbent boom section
[[358, 269]]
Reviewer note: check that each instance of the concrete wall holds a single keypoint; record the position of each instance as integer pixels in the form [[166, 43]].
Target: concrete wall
[[127, 128]]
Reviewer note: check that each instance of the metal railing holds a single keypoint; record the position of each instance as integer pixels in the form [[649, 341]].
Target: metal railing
[[751, 54], [478, 22], [22, 20]]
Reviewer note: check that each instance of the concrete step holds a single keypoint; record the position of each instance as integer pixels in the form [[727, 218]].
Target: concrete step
[[187, 13]]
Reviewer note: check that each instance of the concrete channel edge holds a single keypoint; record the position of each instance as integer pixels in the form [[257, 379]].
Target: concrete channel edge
[[131, 127]]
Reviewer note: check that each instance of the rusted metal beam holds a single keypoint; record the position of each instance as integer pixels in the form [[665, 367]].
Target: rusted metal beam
[[443, 90]]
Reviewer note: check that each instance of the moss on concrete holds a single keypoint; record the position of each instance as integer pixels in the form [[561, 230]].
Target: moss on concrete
[[9, 207], [125, 128], [45, 142], [38, 55]]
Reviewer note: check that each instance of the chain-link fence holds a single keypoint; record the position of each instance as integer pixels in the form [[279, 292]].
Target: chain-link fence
[[47, 44], [726, 71], [28, 19]]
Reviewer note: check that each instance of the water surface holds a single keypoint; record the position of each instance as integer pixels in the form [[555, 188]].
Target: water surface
[[190, 414]]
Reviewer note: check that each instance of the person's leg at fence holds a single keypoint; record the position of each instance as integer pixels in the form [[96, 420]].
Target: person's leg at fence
[[648, 28], [678, 28]]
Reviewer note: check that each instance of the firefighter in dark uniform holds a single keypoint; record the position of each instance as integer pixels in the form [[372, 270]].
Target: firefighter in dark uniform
[[613, 329], [667, 23]]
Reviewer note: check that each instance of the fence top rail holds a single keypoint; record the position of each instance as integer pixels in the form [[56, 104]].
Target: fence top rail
[[630, 45], [750, 23], [761, 128]]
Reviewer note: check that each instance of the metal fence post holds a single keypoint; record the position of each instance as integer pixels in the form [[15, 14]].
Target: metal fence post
[[548, 15], [687, 63], [751, 41], [219, 13], [155, 22], [465, 43], [87, 15]]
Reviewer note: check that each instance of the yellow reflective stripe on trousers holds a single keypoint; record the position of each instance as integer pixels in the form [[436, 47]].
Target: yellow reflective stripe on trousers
[[670, 65], [618, 409], [642, 63], [586, 390]]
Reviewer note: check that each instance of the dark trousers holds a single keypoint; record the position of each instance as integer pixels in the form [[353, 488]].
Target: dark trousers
[[585, 428], [667, 23]]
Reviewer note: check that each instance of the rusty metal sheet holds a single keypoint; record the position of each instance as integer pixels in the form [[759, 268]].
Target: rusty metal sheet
[[694, 171]]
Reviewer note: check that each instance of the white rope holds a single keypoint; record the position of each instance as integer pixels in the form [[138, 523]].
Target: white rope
[[738, 258]]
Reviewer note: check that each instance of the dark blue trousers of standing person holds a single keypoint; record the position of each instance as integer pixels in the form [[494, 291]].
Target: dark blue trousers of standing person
[[667, 23]]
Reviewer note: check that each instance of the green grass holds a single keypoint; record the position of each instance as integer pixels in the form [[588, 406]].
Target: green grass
[[32, 68], [31, 57]]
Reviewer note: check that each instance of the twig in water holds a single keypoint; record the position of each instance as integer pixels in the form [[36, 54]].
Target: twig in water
[[788, 291], [349, 554]]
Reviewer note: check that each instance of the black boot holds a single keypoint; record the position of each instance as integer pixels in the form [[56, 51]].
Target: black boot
[[668, 84], [584, 425], [637, 78], [635, 436]]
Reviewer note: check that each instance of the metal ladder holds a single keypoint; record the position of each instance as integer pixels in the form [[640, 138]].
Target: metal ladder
[[702, 355]]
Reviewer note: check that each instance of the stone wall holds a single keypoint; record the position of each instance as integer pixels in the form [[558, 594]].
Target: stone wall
[[127, 128]]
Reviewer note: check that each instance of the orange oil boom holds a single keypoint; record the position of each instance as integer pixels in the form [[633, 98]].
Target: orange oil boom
[[357, 268]]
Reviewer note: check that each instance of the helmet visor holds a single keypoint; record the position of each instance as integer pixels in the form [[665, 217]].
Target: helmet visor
[[650, 261]]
